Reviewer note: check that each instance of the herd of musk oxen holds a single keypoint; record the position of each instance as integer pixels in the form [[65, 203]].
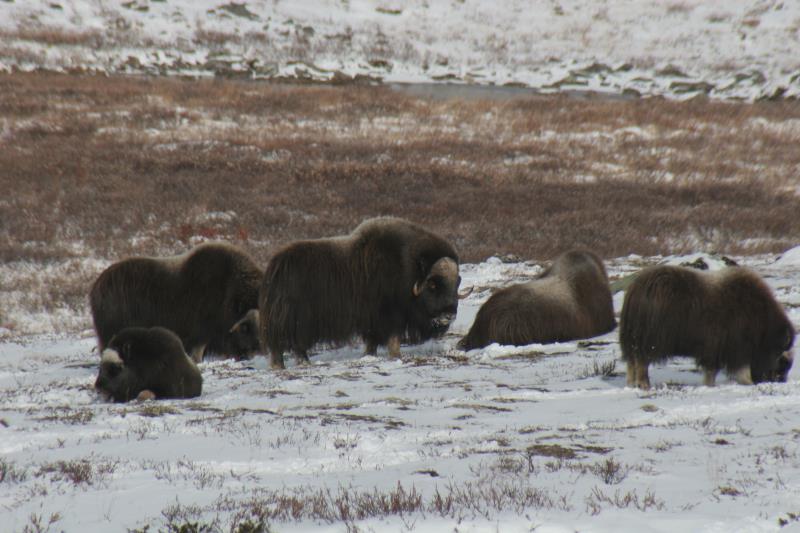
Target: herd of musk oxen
[[392, 281]]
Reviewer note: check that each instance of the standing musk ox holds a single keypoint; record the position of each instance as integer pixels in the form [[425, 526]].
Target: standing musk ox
[[147, 363], [727, 320], [388, 280], [208, 297], [570, 300]]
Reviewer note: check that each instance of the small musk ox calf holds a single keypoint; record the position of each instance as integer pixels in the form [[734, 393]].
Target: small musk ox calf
[[208, 297], [388, 280], [726, 319], [146, 363], [570, 300]]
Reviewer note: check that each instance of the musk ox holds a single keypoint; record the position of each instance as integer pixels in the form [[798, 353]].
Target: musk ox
[[389, 280], [570, 300], [726, 320], [147, 363], [207, 296]]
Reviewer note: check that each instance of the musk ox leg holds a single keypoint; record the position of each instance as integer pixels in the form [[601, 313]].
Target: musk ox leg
[[743, 376], [710, 376], [630, 373], [641, 376], [371, 349], [197, 353], [394, 346], [276, 360]]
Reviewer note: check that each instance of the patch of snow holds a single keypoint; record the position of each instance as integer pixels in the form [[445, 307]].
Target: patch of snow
[[547, 418]]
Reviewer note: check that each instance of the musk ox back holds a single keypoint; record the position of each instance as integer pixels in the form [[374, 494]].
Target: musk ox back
[[388, 280], [727, 320], [205, 296], [570, 300], [145, 363]]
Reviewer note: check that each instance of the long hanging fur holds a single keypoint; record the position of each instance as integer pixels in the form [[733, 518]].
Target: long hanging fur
[[202, 296], [727, 320], [360, 285], [139, 360], [570, 300]]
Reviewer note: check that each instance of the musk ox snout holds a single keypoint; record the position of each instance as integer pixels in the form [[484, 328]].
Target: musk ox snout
[[779, 371], [242, 339], [444, 320]]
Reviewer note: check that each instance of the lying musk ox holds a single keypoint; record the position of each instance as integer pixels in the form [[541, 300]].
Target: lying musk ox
[[388, 280], [146, 363], [208, 297], [570, 300], [727, 320]]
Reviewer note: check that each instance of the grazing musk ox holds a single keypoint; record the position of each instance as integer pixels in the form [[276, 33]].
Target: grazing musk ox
[[388, 280], [146, 363], [570, 300], [207, 296], [726, 320]]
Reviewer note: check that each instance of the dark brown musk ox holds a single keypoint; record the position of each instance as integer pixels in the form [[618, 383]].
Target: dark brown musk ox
[[726, 320], [207, 296], [147, 363], [570, 300], [389, 280]]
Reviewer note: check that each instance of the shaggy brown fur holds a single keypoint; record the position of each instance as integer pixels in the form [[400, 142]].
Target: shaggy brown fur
[[146, 363], [205, 296], [727, 320], [388, 280], [570, 300]]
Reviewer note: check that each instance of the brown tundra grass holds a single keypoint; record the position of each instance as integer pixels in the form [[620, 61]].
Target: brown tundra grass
[[104, 167]]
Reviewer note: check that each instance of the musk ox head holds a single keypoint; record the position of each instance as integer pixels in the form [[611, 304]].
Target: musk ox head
[[242, 339], [436, 296], [111, 365], [776, 363]]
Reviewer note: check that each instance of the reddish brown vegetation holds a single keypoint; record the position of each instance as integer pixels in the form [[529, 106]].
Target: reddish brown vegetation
[[132, 165]]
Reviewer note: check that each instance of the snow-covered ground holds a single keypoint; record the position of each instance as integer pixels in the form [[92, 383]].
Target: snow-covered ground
[[499, 439], [725, 48]]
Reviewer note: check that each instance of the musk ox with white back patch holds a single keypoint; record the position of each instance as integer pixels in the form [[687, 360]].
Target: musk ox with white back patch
[[570, 300], [726, 320], [389, 280], [207, 296], [145, 363]]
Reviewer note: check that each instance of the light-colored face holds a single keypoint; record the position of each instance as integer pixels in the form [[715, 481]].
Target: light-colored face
[[111, 357]]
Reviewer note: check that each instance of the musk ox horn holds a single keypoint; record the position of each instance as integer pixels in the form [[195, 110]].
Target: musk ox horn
[[417, 290], [462, 295]]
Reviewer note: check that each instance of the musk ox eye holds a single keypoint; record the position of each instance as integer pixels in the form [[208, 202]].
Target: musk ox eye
[[432, 285]]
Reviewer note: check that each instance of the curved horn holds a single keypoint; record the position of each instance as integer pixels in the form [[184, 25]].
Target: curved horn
[[462, 295], [417, 289], [251, 316]]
